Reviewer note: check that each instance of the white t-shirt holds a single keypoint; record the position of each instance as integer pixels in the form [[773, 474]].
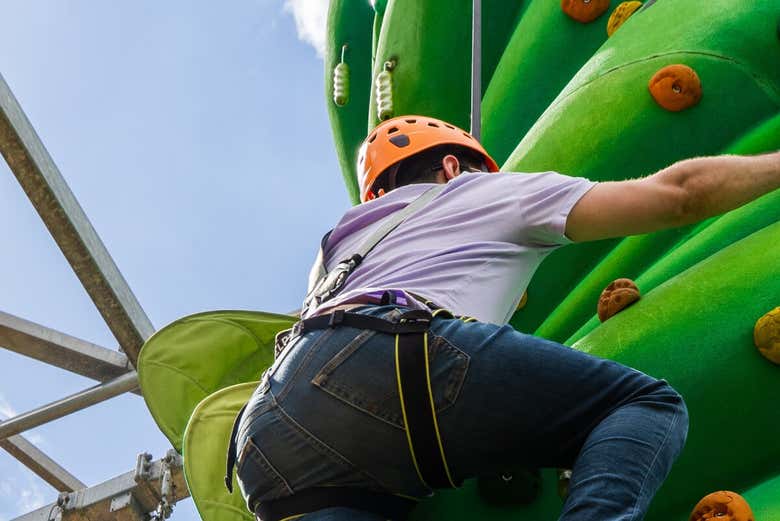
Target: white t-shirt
[[472, 249]]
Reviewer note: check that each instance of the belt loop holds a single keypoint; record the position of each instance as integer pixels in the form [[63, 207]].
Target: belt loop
[[336, 318]]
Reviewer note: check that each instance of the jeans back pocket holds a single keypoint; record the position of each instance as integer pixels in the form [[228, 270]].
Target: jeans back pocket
[[363, 375]]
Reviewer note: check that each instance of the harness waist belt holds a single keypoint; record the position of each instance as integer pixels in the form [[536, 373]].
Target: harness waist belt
[[420, 423], [388, 506], [414, 321], [414, 385]]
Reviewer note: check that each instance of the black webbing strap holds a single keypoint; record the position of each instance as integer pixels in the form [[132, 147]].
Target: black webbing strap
[[419, 412], [388, 506], [417, 405], [415, 321], [414, 386], [231, 453]]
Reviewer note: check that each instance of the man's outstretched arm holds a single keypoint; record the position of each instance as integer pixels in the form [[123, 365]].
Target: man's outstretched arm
[[686, 192]]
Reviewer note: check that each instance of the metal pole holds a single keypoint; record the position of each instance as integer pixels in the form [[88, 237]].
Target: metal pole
[[61, 350], [60, 211], [476, 69], [41, 464], [75, 402]]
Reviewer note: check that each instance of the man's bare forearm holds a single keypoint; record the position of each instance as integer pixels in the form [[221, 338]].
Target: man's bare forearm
[[717, 184]]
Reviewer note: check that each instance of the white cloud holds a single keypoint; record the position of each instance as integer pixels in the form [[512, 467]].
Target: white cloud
[[20, 495], [311, 18], [6, 411], [31, 498]]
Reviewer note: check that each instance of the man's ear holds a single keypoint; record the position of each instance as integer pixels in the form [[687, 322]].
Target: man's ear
[[451, 166]]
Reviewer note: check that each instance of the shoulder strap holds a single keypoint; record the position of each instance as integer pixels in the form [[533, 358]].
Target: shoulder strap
[[324, 285], [396, 219], [318, 270]]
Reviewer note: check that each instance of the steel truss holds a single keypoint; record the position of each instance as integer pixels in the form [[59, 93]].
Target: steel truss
[[152, 488]]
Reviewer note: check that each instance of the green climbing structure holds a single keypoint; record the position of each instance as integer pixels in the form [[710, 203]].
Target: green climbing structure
[[557, 94]]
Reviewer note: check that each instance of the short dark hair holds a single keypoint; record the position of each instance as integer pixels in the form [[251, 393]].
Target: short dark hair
[[421, 167]]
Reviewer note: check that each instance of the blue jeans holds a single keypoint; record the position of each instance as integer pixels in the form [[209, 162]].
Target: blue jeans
[[327, 413]]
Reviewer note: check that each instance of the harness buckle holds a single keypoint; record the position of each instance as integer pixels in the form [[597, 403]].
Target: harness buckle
[[415, 317], [414, 321], [336, 318]]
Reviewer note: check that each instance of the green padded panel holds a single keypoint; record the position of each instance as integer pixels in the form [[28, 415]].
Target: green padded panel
[[735, 52], [187, 360], [643, 139], [764, 500], [635, 254], [706, 239], [696, 331], [432, 73], [205, 447], [764, 138], [546, 49], [349, 23]]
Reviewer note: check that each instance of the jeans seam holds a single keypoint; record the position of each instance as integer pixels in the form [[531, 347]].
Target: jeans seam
[[326, 450], [304, 362], [456, 377], [352, 403], [266, 463], [322, 381], [345, 352], [652, 464]]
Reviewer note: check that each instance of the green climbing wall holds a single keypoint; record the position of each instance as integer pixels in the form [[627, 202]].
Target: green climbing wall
[[557, 94]]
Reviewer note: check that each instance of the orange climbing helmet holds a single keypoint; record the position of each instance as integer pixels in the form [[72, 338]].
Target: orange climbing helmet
[[401, 137]]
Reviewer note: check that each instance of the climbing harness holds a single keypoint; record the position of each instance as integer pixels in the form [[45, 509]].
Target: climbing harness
[[387, 506], [418, 410], [324, 285], [414, 388]]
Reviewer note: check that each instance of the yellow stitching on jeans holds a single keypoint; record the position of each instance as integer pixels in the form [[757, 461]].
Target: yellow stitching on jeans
[[433, 411], [403, 412], [296, 516]]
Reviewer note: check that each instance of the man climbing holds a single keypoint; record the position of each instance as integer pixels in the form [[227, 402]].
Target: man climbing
[[386, 390]]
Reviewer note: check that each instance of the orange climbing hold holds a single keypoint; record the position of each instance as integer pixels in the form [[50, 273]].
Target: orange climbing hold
[[621, 14], [620, 294], [675, 87], [766, 335], [584, 11], [723, 505]]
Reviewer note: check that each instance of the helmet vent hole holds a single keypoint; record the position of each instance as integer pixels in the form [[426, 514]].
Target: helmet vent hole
[[372, 137], [432, 124], [468, 135], [449, 126], [411, 120], [401, 140], [392, 130]]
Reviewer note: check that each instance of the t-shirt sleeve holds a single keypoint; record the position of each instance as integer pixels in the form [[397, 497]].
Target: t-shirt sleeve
[[545, 201], [534, 207]]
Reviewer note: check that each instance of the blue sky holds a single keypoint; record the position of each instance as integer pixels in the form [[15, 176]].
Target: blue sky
[[196, 139]]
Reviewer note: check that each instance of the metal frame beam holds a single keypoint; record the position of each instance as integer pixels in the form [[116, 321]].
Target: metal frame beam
[[36, 460], [55, 203], [60, 350], [70, 404]]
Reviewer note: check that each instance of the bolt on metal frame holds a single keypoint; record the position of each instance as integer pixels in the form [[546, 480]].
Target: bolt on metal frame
[[131, 496]]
